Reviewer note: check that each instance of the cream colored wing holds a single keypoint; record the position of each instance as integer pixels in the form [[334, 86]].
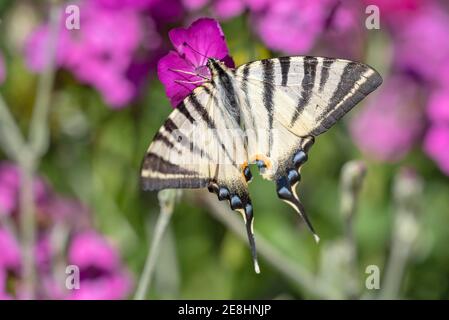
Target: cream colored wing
[[288, 101]]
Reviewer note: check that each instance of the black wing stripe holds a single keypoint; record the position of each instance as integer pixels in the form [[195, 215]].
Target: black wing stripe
[[310, 64], [352, 73], [156, 163], [170, 126], [210, 123], [160, 137], [228, 96], [327, 63], [201, 111], [285, 67], [183, 109], [268, 91], [244, 87]]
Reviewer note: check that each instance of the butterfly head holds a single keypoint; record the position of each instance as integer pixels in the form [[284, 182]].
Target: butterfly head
[[216, 66]]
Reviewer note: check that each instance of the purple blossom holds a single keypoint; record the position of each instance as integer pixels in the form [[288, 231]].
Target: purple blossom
[[103, 275], [438, 106], [121, 4], [389, 124], [436, 145], [193, 5], [88, 249], [394, 8], [419, 35], [166, 11], [96, 58], [226, 9], [10, 185], [292, 26], [203, 39], [10, 257]]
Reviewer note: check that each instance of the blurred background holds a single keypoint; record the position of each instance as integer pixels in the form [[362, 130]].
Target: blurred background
[[79, 107]]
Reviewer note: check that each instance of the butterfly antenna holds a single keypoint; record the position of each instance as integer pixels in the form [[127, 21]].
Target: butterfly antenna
[[249, 220], [194, 50]]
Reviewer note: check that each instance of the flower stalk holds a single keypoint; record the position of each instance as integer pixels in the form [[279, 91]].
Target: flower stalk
[[407, 191], [28, 153], [167, 199]]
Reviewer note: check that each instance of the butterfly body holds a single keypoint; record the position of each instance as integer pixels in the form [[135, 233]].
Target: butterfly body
[[266, 112]]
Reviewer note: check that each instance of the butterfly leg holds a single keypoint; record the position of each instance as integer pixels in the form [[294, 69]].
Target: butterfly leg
[[240, 201], [287, 181]]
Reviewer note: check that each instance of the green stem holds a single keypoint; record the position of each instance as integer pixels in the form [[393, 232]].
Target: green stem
[[39, 129], [167, 199], [11, 137]]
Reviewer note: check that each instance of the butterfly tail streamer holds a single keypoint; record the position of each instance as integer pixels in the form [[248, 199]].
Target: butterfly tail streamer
[[249, 220]]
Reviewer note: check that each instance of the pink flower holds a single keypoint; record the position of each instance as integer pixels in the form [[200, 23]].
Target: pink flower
[[122, 4], [10, 256], [438, 106], [392, 8], [226, 9], [94, 56], [113, 287], [193, 5], [9, 188], [391, 121], [102, 276], [203, 39], [436, 145], [292, 26], [89, 249], [419, 36]]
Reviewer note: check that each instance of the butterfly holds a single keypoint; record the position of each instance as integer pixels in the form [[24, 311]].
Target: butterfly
[[266, 112]]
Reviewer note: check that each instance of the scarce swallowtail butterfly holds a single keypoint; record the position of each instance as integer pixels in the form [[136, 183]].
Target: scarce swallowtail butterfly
[[266, 112]]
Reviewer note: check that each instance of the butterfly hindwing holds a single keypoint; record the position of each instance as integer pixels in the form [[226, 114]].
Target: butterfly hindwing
[[288, 101]]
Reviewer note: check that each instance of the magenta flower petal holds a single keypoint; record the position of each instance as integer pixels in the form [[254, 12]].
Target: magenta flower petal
[[292, 26], [10, 256], [419, 35], [226, 9], [9, 188], [114, 34], [113, 287], [438, 106], [436, 145], [203, 39], [193, 5], [165, 70], [204, 36], [89, 249]]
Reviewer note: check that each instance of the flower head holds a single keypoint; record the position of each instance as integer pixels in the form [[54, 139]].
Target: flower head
[[292, 26], [62, 230], [183, 70], [102, 276], [95, 57], [419, 35], [9, 189]]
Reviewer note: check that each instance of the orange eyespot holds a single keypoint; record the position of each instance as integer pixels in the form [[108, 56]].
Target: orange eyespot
[[260, 157]]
